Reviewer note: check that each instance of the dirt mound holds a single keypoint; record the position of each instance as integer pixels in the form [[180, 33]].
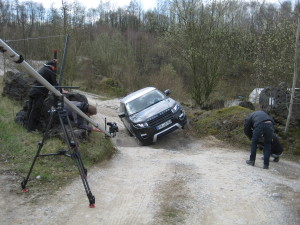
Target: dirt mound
[[16, 85]]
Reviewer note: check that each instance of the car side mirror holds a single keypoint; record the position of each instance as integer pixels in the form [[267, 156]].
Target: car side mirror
[[167, 92], [121, 114]]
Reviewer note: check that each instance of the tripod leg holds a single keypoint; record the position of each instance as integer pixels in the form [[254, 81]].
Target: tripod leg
[[73, 147], [76, 156], [40, 146], [73, 144]]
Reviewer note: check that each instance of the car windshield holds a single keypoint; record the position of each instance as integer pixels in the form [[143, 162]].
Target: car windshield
[[144, 101]]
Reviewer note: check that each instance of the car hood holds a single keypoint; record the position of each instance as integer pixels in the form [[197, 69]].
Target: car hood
[[152, 110]]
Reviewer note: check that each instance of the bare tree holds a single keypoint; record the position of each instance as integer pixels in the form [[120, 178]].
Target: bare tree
[[198, 38], [295, 77]]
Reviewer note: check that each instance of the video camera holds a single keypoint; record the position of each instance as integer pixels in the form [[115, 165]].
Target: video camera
[[113, 128]]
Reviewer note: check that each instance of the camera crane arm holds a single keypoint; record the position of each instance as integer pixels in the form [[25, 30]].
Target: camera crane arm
[[20, 60]]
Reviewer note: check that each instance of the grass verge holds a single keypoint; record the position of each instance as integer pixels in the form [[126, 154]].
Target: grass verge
[[18, 148]]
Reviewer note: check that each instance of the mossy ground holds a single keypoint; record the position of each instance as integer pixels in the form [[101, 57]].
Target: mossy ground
[[227, 124]]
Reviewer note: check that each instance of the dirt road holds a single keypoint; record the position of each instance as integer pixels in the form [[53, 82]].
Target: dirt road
[[178, 180]]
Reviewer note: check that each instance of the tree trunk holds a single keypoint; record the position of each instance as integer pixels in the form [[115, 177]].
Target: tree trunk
[[294, 78]]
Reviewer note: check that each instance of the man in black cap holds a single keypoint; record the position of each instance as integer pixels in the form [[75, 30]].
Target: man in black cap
[[38, 93], [259, 123]]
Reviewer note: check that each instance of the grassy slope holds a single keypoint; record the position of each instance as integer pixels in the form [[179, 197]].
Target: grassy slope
[[18, 148], [227, 124]]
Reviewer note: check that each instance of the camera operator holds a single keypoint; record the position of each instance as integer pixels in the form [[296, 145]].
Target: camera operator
[[86, 108], [38, 94]]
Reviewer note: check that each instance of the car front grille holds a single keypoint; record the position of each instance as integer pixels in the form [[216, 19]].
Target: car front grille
[[160, 118]]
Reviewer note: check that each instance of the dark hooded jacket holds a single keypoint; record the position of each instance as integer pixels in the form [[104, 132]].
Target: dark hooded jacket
[[48, 75], [253, 120]]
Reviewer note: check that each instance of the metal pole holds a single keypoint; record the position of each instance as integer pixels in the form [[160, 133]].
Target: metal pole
[[55, 60], [64, 60], [19, 59]]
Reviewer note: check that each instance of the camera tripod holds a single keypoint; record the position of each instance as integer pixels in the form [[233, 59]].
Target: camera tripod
[[70, 140]]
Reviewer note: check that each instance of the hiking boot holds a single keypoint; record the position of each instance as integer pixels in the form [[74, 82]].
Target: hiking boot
[[276, 159], [250, 162], [266, 167]]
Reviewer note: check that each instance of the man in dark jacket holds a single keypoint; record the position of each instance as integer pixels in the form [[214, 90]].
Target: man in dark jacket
[[80, 122], [38, 93], [259, 123]]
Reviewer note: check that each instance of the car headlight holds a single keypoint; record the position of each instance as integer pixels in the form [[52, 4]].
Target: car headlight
[[141, 125], [175, 108]]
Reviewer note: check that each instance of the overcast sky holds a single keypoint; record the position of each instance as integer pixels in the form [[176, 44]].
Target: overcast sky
[[146, 4]]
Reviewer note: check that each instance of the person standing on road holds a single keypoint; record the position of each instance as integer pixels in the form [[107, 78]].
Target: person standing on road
[[259, 123]]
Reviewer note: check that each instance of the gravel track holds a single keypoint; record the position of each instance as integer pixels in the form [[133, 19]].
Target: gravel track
[[178, 180]]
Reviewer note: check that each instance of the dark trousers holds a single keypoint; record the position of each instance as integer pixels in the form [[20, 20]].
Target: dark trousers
[[267, 130], [34, 112], [276, 147]]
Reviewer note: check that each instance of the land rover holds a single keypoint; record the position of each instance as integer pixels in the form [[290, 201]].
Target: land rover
[[149, 114]]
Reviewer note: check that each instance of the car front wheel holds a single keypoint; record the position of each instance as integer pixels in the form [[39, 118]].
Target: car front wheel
[[129, 132], [142, 142]]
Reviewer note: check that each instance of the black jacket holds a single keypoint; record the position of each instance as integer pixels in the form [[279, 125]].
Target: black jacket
[[253, 120], [48, 75]]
